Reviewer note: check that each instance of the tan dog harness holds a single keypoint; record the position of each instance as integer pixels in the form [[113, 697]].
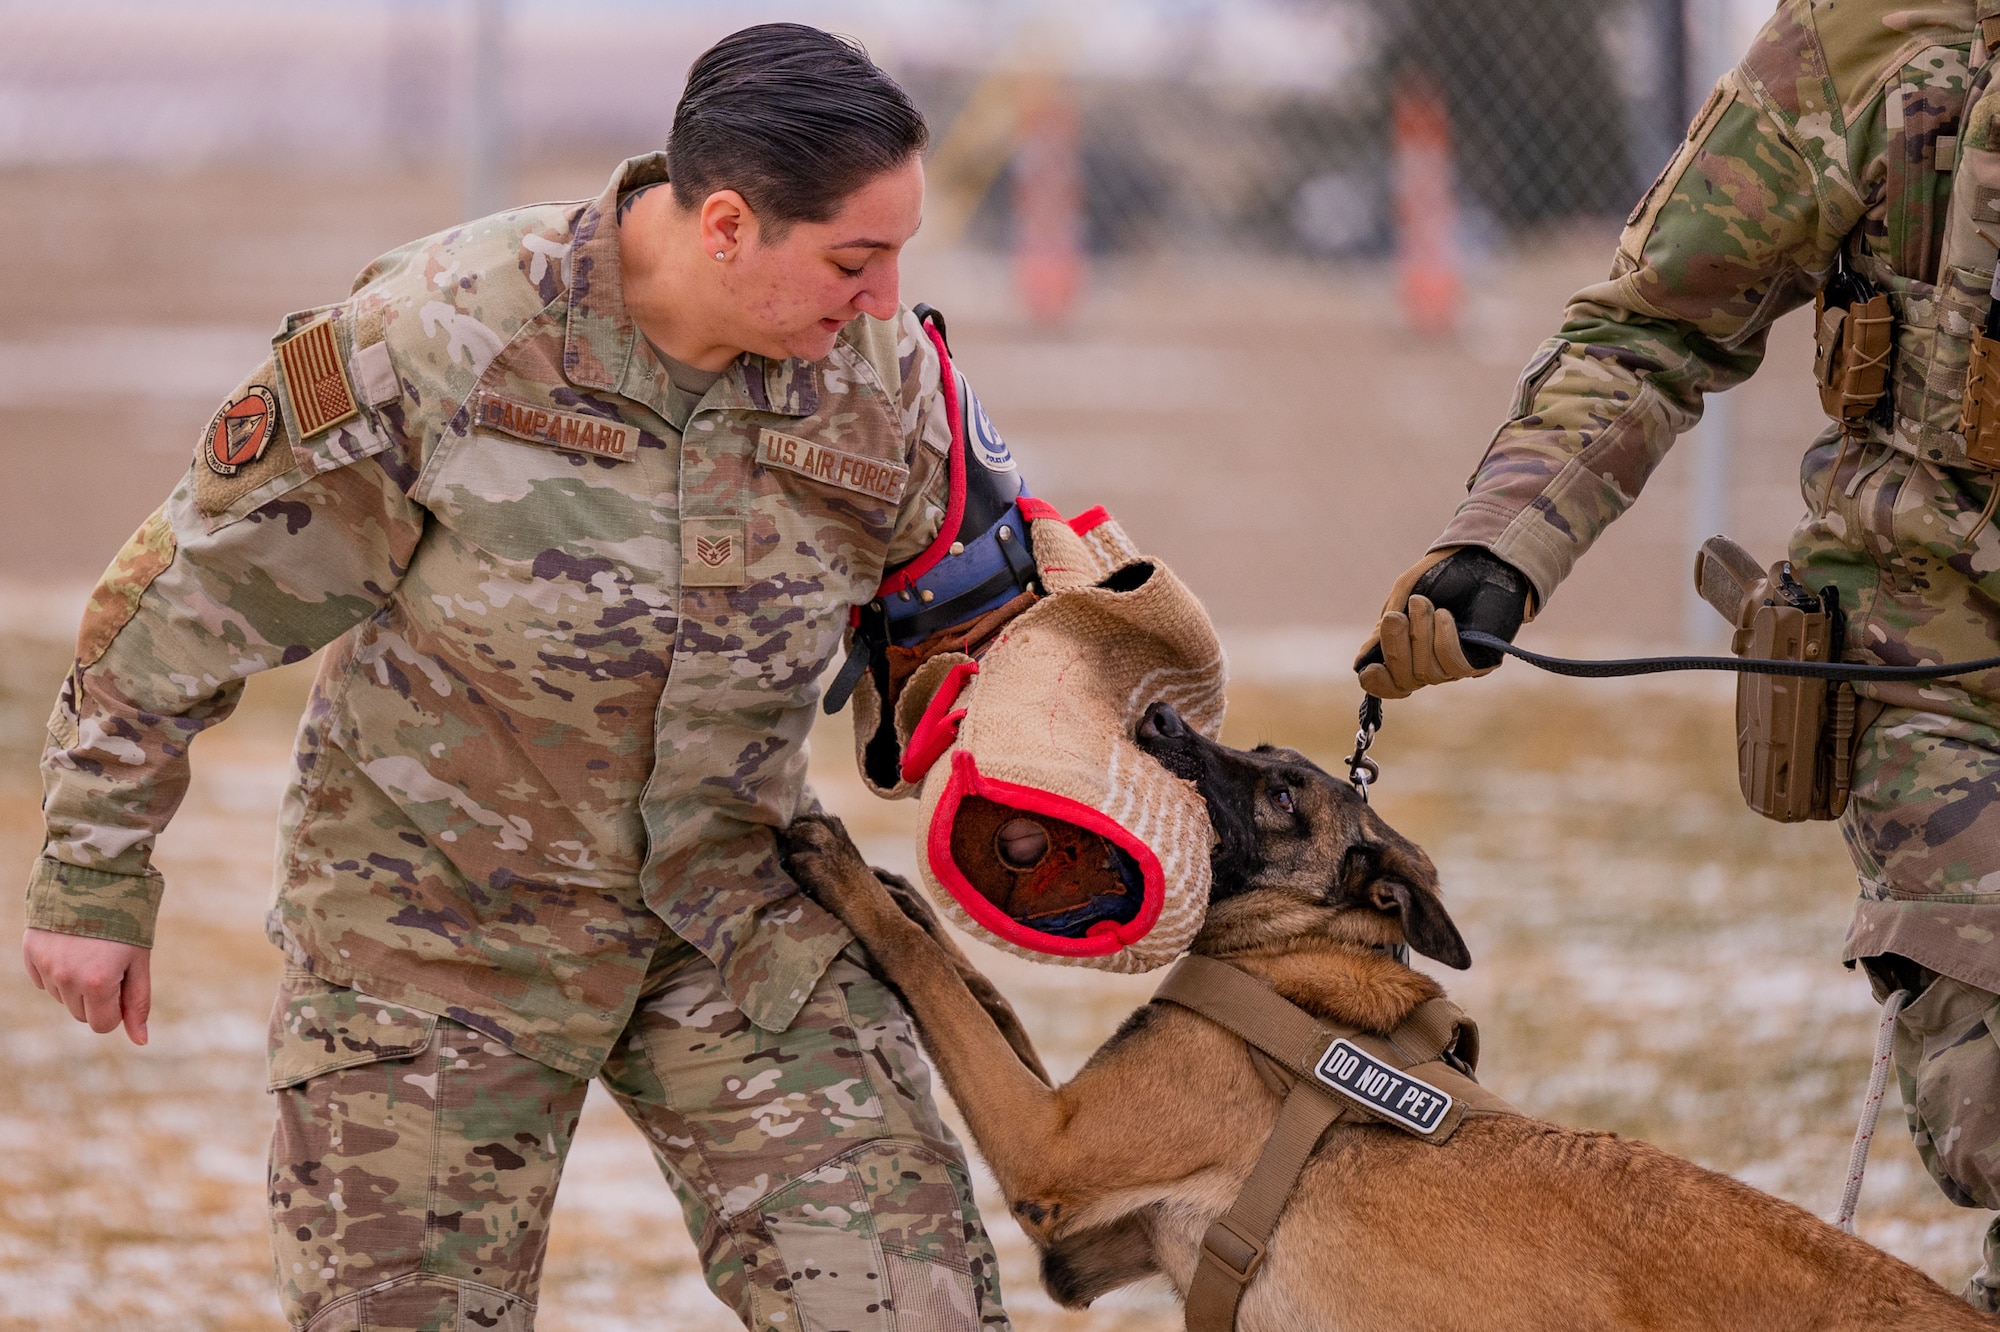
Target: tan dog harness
[[1416, 1079]]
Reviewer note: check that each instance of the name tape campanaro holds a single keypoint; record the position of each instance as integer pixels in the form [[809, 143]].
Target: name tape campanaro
[[558, 430], [850, 471], [1389, 1092]]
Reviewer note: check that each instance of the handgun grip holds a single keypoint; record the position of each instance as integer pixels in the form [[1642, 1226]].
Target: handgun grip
[[1728, 578]]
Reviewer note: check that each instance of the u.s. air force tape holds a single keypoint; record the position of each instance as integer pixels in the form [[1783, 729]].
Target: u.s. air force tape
[[1389, 1092], [850, 471]]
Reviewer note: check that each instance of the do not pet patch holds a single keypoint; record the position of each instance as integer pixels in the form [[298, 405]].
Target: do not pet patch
[[1389, 1092]]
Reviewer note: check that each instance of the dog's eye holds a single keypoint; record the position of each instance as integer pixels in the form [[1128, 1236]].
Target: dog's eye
[[1282, 799]]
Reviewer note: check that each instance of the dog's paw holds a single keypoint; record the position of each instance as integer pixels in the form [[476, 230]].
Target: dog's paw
[[816, 834], [824, 861]]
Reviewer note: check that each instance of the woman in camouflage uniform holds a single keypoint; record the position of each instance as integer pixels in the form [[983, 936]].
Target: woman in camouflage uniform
[[579, 498], [1861, 137]]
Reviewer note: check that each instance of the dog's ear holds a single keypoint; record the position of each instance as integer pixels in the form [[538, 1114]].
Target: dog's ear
[[1427, 927], [1389, 875]]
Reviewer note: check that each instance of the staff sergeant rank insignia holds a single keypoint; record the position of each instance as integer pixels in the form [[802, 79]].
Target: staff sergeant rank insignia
[[1389, 1092], [239, 433]]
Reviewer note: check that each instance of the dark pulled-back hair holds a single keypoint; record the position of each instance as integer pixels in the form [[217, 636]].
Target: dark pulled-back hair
[[791, 118]]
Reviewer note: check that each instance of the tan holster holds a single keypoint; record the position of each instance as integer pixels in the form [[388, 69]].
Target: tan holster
[[1795, 738]]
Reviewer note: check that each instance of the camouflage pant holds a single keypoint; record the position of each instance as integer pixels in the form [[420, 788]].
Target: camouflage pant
[[415, 1161], [1947, 1058], [1923, 824]]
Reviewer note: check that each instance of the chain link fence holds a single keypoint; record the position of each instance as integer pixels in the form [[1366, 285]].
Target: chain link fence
[[1265, 125], [1555, 109]]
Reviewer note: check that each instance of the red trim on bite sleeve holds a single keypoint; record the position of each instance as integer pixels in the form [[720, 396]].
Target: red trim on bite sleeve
[[1033, 510], [1104, 937], [937, 729]]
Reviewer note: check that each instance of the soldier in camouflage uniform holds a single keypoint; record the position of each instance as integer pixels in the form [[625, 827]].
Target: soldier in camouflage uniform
[[1863, 132], [576, 591]]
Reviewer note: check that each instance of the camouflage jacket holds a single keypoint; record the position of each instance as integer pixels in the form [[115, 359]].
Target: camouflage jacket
[[1840, 129], [576, 622]]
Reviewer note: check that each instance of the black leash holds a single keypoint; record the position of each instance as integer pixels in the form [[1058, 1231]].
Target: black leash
[[1811, 670], [1363, 771]]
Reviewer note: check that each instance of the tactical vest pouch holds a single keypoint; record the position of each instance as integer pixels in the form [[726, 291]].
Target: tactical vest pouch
[[1851, 357], [1794, 737], [1980, 421]]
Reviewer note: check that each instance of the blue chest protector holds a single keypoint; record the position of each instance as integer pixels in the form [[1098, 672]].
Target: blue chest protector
[[982, 557]]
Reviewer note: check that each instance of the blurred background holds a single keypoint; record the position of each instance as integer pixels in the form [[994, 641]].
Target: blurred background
[[1258, 275]]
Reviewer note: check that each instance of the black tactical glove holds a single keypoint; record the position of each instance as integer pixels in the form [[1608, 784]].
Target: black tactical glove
[[1416, 641]]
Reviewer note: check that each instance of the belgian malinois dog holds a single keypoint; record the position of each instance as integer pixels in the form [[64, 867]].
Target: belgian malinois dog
[[1511, 1225]]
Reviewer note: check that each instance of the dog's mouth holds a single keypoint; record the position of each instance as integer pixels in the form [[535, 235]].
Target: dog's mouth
[[1171, 741]]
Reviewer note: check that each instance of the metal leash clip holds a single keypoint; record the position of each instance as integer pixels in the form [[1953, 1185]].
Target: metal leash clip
[[1363, 771]]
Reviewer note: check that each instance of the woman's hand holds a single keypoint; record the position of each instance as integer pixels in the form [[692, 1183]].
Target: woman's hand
[[100, 981]]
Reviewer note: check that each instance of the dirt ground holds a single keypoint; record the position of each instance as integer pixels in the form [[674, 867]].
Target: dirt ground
[[1650, 957]]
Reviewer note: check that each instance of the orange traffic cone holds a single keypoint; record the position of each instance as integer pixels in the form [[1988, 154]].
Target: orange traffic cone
[[1427, 257], [1048, 207]]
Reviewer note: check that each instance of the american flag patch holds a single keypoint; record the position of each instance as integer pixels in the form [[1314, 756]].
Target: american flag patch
[[315, 378]]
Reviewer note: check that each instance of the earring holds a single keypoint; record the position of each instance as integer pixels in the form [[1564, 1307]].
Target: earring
[[719, 254]]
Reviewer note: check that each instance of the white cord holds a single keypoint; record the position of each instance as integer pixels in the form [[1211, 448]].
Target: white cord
[[1871, 1109]]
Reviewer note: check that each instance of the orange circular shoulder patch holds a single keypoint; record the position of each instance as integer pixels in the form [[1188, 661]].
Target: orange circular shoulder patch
[[239, 433]]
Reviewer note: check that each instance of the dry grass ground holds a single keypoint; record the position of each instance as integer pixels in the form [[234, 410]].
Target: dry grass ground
[[1650, 958]]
